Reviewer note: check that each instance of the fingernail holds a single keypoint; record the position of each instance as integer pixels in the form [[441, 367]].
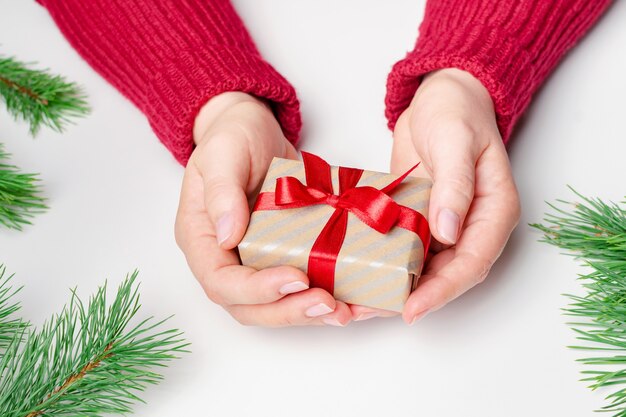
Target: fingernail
[[318, 310], [292, 287], [448, 225], [224, 228], [366, 316], [332, 322], [418, 316]]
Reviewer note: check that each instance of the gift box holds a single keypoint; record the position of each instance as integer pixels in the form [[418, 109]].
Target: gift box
[[360, 235]]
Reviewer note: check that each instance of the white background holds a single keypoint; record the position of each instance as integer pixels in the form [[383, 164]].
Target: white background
[[113, 191]]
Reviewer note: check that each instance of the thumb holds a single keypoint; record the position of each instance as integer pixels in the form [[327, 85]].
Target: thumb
[[224, 165], [453, 164]]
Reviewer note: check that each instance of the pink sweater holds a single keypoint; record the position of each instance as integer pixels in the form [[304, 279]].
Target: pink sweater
[[170, 56]]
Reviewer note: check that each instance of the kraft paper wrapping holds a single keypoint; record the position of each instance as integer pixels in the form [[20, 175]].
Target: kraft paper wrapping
[[373, 269]]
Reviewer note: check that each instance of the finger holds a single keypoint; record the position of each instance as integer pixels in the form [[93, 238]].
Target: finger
[[224, 166], [290, 151], [195, 234], [452, 155], [238, 284], [403, 153], [494, 215], [341, 317], [313, 306], [361, 313], [218, 270]]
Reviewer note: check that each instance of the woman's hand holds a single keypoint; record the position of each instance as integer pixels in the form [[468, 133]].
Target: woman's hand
[[237, 136], [450, 127]]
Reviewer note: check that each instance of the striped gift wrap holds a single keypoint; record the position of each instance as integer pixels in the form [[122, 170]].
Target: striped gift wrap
[[373, 269]]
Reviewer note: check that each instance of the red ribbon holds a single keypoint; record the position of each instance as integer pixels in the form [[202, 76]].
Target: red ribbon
[[372, 206]]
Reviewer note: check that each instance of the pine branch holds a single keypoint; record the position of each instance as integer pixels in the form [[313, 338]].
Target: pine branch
[[88, 360], [595, 232], [10, 326], [19, 195], [39, 97]]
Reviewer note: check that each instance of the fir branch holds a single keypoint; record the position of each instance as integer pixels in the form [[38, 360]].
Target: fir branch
[[10, 326], [88, 360], [39, 97], [19, 195], [595, 232]]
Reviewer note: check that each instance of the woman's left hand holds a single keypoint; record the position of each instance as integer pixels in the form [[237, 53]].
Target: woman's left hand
[[451, 128]]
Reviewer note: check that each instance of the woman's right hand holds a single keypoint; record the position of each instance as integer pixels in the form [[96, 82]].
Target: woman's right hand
[[236, 137]]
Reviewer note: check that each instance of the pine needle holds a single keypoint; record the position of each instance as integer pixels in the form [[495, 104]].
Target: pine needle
[[88, 360], [595, 232], [19, 195], [10, 326], [39, 97]]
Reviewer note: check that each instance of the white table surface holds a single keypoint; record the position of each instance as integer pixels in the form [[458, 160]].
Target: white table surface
[[113, 192]]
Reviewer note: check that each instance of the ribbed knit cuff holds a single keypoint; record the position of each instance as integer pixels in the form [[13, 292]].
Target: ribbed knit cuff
[[182, 86], [169, 57], [511, 47], [485, 52]]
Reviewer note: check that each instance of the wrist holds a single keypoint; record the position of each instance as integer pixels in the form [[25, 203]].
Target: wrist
[[216, 106], [462, 79]]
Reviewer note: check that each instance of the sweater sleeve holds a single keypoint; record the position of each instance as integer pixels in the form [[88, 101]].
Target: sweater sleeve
[[170, 56], [511, 46]]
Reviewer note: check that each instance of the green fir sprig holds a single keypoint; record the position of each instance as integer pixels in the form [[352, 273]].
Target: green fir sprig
[[87, 361], [10, 325], [20, 197], [39, 97], [595, 232]]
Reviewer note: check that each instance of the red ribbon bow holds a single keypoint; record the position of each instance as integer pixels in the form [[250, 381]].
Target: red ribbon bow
[[372, 206]]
